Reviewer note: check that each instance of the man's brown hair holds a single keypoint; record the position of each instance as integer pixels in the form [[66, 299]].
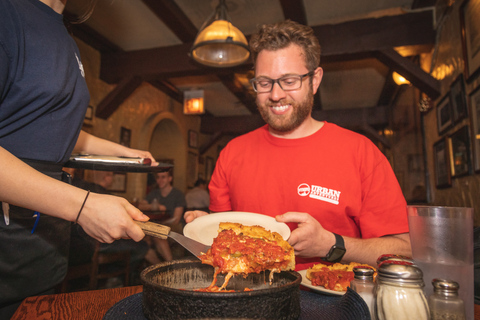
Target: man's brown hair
[[280, 35]]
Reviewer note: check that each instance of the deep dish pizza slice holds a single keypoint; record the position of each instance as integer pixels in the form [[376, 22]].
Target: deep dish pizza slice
[[336, 277], [240, 249]]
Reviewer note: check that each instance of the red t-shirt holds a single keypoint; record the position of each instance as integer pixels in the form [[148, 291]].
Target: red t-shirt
[[339, 177]]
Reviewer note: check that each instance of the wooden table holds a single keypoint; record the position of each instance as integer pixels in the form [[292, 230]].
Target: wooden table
[[84, 305]]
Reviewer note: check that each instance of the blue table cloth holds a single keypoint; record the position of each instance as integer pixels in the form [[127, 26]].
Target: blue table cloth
[[313, 305]]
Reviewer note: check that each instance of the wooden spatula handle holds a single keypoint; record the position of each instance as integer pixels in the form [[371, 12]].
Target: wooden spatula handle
[[154, 229]]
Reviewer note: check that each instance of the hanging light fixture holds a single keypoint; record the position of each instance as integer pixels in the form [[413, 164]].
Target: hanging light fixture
[[219, 43], [399, 80], [193, 102]]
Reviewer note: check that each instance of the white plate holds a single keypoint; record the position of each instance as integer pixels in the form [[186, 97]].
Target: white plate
[[205, 228], [307, 283]]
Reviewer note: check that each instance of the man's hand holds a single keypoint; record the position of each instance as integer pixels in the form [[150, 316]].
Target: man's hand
[[189, 216], [310, 239]]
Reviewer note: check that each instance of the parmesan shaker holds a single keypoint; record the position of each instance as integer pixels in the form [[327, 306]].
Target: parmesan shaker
[[363, 284], [399, 292], [444, 302]]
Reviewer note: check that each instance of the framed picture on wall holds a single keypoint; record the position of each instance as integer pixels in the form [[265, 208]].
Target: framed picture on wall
[[475, 112], [458, 99], [192, 139], [459, 143], [470, 29], [443, 178], [209, 166], [191, 169], [444, 114], [125, 136], [89, 113]]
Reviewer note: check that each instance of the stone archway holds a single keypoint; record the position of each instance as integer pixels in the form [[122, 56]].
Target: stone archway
[[167, 143], [164, 136]]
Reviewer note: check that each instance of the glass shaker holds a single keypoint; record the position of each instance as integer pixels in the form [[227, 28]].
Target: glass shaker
[[155, 205], [363, 284], [444, 302], [399, 292]]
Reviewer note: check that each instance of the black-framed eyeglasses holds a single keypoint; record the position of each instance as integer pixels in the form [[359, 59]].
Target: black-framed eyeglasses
[[287, 83]]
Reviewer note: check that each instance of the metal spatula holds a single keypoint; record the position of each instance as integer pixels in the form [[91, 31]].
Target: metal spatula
[[163, 232]]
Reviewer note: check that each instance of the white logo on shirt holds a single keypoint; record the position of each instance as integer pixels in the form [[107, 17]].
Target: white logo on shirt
[[320, 193], [303, 190], [80, 66]]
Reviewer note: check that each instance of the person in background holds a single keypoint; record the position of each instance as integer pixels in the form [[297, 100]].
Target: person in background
[[198, 198], [333, 187], [43, 101], [172, 201]]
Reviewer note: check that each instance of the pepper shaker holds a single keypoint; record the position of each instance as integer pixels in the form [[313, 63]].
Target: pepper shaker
[[444, 302]]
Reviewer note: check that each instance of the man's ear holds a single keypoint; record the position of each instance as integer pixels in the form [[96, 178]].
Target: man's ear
[[317, 79]]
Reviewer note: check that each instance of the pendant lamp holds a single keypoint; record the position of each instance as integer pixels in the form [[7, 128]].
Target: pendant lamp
[[218, 43], [399, 80]]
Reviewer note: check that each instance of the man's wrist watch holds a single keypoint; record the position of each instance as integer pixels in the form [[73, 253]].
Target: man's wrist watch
[[337, 250]]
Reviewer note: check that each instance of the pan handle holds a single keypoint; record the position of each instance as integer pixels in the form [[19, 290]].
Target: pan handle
[[154, 229]]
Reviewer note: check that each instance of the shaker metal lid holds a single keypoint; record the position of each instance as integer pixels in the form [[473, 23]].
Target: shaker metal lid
[[400, 271], [363, 271], [445, 285], [395, 257]]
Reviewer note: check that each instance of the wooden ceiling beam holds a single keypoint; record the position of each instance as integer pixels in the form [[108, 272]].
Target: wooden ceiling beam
[[174, 18], [169, 89], [239, 91], [388, 90], [410, 71], [116, 97], [420, 4], [294, 10], [376, 33], [348, 39], [91, 37]]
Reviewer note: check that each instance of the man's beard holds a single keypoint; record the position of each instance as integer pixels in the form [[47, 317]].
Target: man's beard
[[286, 122]]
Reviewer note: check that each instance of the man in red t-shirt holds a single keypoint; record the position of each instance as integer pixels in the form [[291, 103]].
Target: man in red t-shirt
[[334, 188]]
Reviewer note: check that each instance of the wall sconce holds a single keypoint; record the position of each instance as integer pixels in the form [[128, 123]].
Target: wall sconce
[[219, 43], [193, 102], [399, 80]]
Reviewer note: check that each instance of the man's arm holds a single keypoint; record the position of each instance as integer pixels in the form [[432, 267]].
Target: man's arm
[[310, 239], [177, 216]]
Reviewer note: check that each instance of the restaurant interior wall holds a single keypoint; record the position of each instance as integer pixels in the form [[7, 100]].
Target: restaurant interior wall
[[406, 145], [448, 65], [147, 103], [140, 113]]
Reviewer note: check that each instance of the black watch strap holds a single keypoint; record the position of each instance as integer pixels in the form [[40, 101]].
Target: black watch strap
[[337, 250]]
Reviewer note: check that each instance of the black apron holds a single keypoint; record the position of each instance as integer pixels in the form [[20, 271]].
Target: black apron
[[32, 263]]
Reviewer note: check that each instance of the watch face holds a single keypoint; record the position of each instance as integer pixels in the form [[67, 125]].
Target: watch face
[[335, 254]]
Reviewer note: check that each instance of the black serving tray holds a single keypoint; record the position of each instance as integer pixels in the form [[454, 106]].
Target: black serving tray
[[117, 164]]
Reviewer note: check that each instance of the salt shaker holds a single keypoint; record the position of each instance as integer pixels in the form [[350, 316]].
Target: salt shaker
[[399, 292], [444, 302], [363, 284], [155, 205]]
